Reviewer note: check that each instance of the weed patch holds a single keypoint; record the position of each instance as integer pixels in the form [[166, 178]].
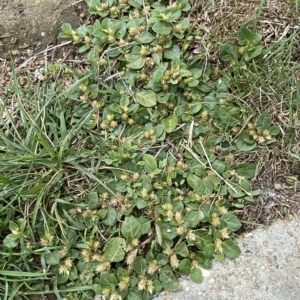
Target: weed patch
[[118, 178]]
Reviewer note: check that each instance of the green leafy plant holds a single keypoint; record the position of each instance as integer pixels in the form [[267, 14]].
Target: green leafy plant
[[129, 170], [247, 49]]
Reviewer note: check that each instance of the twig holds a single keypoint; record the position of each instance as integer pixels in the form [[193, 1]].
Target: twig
[[74, 3], [190, 139], [245, 125], [5, 35], [112, 76], [41, 52], [146, 11], [147, 241], [112, 49], [178, 242], [210, 166]]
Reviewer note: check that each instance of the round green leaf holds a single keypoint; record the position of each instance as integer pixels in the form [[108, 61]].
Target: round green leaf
[[145, 38], [52, 258], [61, 278], [228, 52], [168, 231], [256, 51], [146, 225], [162, 27], [196, 275], [156, 77], [193, 180], [182, 250], [92, 199], [66, 28], [131, 228], [140, 203], [244, 143], [193, 217], [150, 160], [174, 54], [170, 123], [139, 265], [11, 241], [84, 48], [246, 35], [246, 170], [71, 236], [113, 249], [110, 217], [274, 130], [137, 63], [209, 250], [263, 122], [146, 98], [184, 266], [218, 166], [231, 222], [116, 108], [13, 226], [101, 213], [97, 288], [230, 249], [134, 294], [219, 256], [245, 185], [73, 273], [205, 187], [236, 192], [168, 279], [195, 107], [107, 279]]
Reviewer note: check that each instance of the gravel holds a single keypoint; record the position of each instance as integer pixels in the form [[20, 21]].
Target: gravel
[[268, 268]]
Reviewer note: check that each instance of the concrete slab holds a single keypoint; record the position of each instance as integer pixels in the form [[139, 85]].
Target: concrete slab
[[268, 269]]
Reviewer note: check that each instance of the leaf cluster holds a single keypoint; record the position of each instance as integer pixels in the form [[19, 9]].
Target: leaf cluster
[[129, 171]]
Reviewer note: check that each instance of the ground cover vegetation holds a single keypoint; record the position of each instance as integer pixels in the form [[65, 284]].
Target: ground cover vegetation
[[122, 174]]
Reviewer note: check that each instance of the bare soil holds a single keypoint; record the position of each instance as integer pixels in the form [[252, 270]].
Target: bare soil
[[31, 26]]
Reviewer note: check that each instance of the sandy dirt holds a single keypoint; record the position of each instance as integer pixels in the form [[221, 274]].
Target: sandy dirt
[[33, 25]]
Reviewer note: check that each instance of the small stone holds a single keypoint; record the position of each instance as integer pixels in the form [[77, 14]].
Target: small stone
[[263, 268], [168, 297], [211, 281], [188, 288], [183, 283]]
